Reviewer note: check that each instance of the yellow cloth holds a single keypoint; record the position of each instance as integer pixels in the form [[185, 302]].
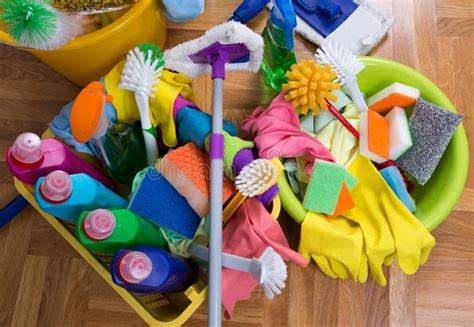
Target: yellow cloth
[[161, 105], [379, 229], [342, 144]]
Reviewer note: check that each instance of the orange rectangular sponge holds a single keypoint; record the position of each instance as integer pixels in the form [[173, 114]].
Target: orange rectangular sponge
[[187, 169], [394, 95], [374, 141]]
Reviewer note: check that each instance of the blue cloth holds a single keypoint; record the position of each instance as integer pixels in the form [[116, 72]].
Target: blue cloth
[[194, 125], [180, 11]]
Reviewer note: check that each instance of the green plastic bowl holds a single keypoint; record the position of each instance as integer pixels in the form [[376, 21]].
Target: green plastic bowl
[[437, 198]]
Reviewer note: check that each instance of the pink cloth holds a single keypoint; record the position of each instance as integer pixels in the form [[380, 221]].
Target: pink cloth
[[276, 133], [247, 234]]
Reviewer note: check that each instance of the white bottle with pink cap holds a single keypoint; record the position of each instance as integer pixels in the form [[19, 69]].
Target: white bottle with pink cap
[[67, 196], [30, 158]]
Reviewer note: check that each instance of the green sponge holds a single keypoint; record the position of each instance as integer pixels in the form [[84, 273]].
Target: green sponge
[[325, 186], [232, 146]]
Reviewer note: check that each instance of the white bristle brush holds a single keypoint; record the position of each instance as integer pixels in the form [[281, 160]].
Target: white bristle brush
[[269, 270], [347, 66], [256, 177]]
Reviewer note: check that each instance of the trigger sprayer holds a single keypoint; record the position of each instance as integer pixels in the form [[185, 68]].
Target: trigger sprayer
[[247, 10], [284, 17]]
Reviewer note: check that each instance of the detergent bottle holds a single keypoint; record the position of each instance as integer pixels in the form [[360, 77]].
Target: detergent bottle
[[278, 51], [147, 269], [108, 231], [120, 147], [67, 196], [30, 158]]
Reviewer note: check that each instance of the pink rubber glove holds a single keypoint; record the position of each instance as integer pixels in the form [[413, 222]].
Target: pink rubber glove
[[247, 234], [276, 133]]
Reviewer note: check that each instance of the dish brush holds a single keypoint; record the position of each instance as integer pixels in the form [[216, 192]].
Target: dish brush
[[141, 74]]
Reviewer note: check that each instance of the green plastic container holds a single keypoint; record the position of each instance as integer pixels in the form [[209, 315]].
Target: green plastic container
[[437, 198], [107, 231]]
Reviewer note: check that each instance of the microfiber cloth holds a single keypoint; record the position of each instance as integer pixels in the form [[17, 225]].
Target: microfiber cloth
[[251, 230], [360, 32], [431, 128], [181, 11], [276, 133], [156, 200]]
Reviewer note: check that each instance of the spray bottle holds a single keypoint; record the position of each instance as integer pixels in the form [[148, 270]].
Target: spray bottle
[[107, 231], [279, 52], [67, 196]]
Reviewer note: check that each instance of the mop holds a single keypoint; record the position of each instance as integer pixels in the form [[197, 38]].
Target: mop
[[230, 46]]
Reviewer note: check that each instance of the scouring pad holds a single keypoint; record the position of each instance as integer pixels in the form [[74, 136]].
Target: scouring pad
[[400, 137], [395, 180], [374, 141], [344, 203], [432, 128], [156, 200], [324, 187], [187, 170]]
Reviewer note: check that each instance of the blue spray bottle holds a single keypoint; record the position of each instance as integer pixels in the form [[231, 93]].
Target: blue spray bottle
[[67, 196], [147, 269], [278, 37]]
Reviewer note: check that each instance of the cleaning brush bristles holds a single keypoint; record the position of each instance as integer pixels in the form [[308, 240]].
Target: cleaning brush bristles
[[309, 84], [343, 61], [256, 177], [142, 69], [91, 6], [273, 272]]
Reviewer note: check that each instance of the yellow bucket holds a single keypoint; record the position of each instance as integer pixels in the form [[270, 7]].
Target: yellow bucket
[[92, 55]]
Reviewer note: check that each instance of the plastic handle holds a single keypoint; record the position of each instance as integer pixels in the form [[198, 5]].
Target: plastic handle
[[150, 141], [356, 94]]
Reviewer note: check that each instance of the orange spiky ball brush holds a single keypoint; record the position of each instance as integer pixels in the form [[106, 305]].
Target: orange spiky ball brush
[[309, 87], [309, 84]]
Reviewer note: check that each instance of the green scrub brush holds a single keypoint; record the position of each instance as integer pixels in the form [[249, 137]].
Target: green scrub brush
[[141, 74], [35, 24], [91, 6]]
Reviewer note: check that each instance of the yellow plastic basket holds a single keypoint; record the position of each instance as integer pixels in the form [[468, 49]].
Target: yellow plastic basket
[[172, 309], [92, 55]]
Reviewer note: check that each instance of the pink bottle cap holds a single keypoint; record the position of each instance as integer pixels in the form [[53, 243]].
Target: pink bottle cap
[[134, 267], [99, 224], [27, 148], [56, 186]]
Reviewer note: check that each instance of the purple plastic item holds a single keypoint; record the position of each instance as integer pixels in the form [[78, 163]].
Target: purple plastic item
[[29, 161], [325, 16], [218, 54], [216, 146], [242, 159]]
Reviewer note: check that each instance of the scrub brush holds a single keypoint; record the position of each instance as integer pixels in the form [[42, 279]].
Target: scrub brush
[[347, 67], [91, 6], [141, 73], [269, 270], [309, 84], [254, 179], [35, 24]]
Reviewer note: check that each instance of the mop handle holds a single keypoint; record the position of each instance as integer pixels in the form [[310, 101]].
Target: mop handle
[[216, 155], [343, 120]]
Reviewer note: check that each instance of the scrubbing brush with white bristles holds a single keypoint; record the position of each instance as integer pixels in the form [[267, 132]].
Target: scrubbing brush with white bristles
[[141, 74], [347, 66], [269, 270]]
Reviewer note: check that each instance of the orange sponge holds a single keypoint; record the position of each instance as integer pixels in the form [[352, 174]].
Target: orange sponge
[[187, 169], [344, 203], [374, 142], [394, 95]]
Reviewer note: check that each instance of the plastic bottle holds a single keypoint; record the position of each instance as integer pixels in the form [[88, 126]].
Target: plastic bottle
[[108, 231], [31, 158], [67, 196], [278, 52], [146, 269]]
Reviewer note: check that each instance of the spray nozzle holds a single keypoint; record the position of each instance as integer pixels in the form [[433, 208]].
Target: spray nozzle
[[284, 17]]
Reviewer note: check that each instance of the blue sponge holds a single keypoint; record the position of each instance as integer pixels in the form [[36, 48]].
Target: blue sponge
[[194, 125], [395, 181], [156, 200]]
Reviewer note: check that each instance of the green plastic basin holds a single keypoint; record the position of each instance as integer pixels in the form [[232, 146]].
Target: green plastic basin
[[437, 198]]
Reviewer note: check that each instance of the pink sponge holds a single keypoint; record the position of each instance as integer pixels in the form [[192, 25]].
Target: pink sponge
[[187, 169]]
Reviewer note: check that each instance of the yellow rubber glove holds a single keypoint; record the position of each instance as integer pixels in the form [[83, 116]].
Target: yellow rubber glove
[[335, 244], [388, 226], [161, 106], [342, 144]]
